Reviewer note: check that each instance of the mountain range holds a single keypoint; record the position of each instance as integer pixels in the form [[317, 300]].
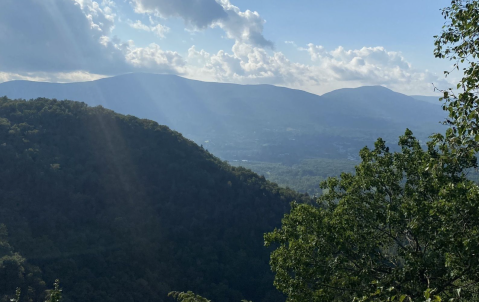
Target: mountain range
[[124, 209], [252, 122], [430, 99]]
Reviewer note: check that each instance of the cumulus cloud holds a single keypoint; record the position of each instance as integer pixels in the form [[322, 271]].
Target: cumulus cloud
[[199, 13], [249, 65], [369, 66], [157, 29], [101, 17], [328, 70], [244, 27], [70, 38], [153, 59], [315, 51], [139, 25]]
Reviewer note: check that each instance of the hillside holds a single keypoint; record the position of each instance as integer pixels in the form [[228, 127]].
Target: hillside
[[430, 99], [123, 209], [373, 105], [252, 122], [304, 176]]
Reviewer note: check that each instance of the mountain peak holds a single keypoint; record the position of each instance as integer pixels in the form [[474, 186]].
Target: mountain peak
[[360, 90], [243, 121]]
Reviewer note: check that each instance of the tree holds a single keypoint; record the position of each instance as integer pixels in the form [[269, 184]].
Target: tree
[[405, 226], [399, 223], [190, 297], [55, 295], [187, 297], [459, 42]]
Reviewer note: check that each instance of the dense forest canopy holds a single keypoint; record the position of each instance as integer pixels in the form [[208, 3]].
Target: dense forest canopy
[[123, 209]]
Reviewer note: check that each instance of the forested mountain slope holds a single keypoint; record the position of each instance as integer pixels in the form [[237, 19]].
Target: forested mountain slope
[[373, 105], [254, 122], [429, 99], [123, 209]]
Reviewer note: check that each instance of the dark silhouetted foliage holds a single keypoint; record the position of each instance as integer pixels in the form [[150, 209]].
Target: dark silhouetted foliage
[[123, 209]]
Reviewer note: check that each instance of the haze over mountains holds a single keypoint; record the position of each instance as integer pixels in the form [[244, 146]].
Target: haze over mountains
[[123, 209], [430, 99], [253, 122]]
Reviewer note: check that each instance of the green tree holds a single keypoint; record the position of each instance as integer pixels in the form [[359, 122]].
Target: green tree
[[55, 295], [405, 226], [395, 224], [459, 42], [16, 274], [187, 297]]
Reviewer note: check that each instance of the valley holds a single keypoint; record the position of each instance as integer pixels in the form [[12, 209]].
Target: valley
[[255, 123], [239, 151]]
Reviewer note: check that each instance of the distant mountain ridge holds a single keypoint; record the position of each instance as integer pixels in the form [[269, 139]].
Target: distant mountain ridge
[[378, 101], [430, 99], [255, 122]]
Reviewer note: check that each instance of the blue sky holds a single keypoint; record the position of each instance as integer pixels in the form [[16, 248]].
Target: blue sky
[[316, 45]]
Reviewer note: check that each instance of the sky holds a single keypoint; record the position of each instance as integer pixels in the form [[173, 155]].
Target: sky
[[312, 45]]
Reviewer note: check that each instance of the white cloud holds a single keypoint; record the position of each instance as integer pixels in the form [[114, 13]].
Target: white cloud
[[101, 17], [75, 42], [249, 65], [157, 29], [4, 77], [372, 66], [153, 59], [329, 70], [60, 77], [244, 27], [199, 14], [109, 3], [139, 25], [315, 51], [160, 30], [75, 76], [72, 37]]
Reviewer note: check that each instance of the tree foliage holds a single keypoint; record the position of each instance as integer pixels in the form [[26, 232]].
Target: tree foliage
[[53, 295], [187, 297], [406, 225], [459, 42], [395, 224], [124, 209], [16, 271]]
